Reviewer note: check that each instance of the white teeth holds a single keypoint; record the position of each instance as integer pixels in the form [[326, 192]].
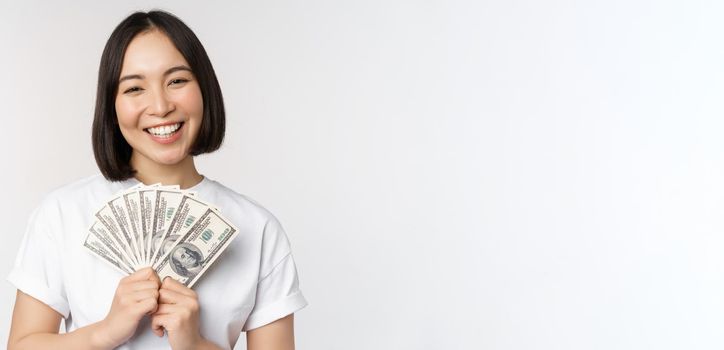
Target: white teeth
[[165, 130]]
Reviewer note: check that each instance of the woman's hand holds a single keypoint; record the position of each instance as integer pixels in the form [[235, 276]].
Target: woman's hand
[[178, 314], [136, 296]]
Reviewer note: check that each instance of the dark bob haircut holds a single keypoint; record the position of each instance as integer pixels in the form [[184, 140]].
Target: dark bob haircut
[[112, 152]]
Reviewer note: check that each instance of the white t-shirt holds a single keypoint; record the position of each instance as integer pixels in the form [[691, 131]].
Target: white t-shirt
[[253, 283]]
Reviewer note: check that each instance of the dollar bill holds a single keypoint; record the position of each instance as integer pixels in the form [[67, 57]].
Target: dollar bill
[[101, 250], [167, 202], [132, 201], [101, 243], [147, 198], [121, 216], [189, 210], [107, 218], [197, 249]]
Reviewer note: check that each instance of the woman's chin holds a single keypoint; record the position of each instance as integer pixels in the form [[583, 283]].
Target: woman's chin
[[170, 159], [171, 156]]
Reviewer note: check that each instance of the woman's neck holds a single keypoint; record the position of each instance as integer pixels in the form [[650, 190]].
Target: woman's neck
[[183, 173]]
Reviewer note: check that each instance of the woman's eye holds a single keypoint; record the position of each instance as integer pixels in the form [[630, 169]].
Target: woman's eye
[[132, 89], [177, 81]]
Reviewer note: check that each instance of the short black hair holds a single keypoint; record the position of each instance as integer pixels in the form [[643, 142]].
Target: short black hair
[[112, 152]]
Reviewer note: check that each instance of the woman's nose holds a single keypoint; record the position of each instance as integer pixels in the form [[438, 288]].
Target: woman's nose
[[160, 105]]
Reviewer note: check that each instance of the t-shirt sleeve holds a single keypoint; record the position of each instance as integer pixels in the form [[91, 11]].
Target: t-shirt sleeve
[[277, 292], [37, 270]]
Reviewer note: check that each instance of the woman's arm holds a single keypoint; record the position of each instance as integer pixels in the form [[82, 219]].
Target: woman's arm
[[35, 326], [278, 335]]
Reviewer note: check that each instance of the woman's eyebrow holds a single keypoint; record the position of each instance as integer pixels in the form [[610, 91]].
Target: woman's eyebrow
[[131, 76], [167, 72], [176, 69]]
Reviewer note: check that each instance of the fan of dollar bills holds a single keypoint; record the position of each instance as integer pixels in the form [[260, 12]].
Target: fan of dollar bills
[[172, 230]]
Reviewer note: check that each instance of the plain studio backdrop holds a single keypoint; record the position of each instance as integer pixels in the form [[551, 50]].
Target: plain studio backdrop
[[451, 174]]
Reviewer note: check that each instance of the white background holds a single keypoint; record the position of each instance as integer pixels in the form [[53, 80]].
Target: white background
[[452, 174]]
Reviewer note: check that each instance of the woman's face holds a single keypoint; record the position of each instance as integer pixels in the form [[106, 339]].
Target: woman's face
[[159, 103]]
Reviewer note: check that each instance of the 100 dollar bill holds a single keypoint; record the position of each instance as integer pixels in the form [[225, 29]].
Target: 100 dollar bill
[[197, 249], [189, 210]]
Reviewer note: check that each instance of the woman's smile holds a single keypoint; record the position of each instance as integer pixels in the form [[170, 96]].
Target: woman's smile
[[165, 133]]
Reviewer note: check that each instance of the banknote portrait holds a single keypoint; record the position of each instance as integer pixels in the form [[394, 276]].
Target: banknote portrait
[[186, 259]]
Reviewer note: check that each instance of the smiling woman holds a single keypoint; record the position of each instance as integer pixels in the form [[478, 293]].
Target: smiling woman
[[158, 105], [154, 65]]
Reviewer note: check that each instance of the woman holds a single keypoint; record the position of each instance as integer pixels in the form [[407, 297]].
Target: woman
[[158, 105]]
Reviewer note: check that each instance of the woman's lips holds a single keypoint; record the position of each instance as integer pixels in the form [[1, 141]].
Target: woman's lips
[[166, 139]]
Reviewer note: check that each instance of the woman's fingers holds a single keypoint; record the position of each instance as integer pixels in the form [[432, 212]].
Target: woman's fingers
[[147, 306], [168, 296], [170, 303], [186, 304], [145, 294], [172, 284], [143, 285], [145, 278], [158, 324], [154, 276], [177, 314], [169, 322], [164, 309], [145, 273]]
